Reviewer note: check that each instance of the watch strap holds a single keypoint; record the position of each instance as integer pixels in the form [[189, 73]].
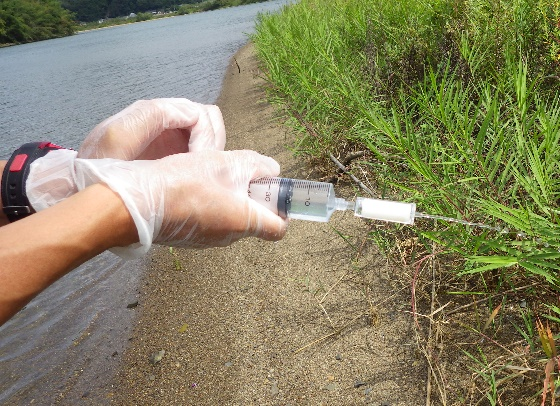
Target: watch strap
[[14, 197]]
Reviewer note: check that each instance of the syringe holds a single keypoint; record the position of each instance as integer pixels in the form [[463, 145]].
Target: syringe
[[316, 201]]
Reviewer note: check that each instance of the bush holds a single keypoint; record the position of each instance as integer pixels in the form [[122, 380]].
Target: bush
[[143, 17], [186, 9]]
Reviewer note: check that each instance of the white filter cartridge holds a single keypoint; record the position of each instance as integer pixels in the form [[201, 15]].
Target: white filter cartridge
[[396, 212]]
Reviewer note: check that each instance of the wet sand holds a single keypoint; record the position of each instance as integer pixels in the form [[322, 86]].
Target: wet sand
[[315, 319]]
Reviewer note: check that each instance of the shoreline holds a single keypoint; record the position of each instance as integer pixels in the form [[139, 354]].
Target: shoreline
[[231, 320], [132, 22], [78, 31]]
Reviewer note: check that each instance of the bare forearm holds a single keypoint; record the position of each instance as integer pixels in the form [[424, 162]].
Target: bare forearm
[[39, 249]]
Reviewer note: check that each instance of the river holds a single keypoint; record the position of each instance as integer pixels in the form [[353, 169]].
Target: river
[[64, 347]]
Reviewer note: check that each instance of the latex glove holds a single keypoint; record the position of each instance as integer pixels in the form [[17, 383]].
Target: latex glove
[[195, 200], [153, 129]]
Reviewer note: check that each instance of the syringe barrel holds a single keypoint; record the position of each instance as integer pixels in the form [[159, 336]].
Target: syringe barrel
[[295, 198], [316, 201]]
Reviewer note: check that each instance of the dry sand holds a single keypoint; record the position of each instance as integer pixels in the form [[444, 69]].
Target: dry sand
[[231, 320]]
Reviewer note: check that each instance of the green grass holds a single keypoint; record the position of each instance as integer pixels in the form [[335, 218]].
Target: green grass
[[457, 107], [456, 103]]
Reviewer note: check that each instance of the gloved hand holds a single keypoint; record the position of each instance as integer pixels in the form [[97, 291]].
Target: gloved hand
[[147, 129], [195, 200], [153, 129]]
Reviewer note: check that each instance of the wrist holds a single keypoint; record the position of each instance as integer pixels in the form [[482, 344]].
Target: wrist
[[51, 179], [128, 181], [15, 202], [3, 218]]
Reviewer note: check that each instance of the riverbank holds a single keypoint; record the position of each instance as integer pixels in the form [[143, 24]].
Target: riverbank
[[313, 319]]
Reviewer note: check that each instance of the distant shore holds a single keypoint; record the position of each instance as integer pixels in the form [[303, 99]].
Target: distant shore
[[117, 21], [80, 31]]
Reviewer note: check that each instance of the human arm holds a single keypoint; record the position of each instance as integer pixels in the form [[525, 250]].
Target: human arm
[[39, 249], [193, 200]]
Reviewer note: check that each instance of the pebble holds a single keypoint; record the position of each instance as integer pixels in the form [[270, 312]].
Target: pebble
[[359, 383], [331, 387], [228, 364], [132, 305], [338, 357], [157, 356], [274, 389]]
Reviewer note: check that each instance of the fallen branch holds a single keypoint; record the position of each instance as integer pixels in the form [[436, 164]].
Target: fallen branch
[[351, 156]]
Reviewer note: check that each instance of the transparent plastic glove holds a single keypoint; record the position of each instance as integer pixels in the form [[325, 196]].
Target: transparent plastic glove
[[153, 129], [51, 179], [195, 200], [148, 129]]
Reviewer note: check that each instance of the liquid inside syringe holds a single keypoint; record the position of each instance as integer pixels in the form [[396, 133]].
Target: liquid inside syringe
[[316, 201]]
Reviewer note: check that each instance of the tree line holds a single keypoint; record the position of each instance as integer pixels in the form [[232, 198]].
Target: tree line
[[24, 21], [92, 10], [33, 20]]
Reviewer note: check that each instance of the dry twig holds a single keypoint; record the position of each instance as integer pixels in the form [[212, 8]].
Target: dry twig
[[490, 297], [238, 67], [354, 178], [338, 331]]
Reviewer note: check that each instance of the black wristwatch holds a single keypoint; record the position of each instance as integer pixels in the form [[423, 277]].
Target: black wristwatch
[[14, 198]]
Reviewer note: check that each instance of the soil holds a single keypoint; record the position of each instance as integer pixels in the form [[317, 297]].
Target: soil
[[319, 318]]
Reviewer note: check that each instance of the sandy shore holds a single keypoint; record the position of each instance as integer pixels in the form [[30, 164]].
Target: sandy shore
[[257, 323]]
